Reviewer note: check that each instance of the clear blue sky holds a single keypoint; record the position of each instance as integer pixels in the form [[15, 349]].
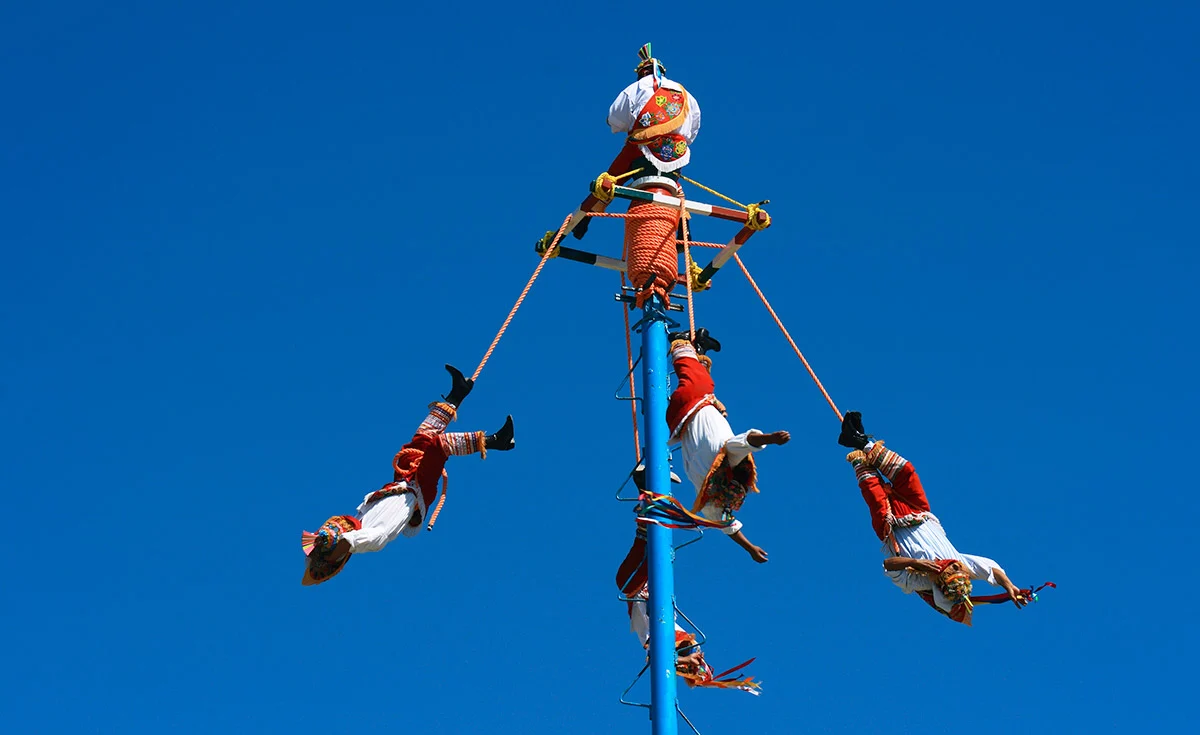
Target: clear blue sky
[[241, 239]]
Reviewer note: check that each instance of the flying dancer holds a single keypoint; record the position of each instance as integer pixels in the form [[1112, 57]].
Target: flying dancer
[[399, 506]]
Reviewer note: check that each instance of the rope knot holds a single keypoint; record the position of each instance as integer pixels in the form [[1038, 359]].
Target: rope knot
[[752, 220]]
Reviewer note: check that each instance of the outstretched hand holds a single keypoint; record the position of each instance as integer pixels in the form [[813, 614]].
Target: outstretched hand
[[1016, 596], [757, 554], [762, 440]]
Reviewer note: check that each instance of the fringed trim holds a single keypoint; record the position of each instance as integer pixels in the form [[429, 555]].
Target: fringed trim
[[683, 348], [720, 464], [706, 361], [665, 167], [440, 416], [670, 126], [462, 443], [858, 460], [885, 460]]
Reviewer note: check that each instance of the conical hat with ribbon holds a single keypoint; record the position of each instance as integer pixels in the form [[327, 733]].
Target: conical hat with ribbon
[[317, 547]]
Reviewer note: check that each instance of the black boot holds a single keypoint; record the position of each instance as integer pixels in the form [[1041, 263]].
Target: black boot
[[460, 388], [705, 342], [853, 435], [502, 440], [674, 336]]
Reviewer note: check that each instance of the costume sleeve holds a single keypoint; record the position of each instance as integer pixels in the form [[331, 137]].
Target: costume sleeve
[[737, 448], [981, 567], [639, 621], [621, 113], [692, 127], [714, 512], [910, 582]]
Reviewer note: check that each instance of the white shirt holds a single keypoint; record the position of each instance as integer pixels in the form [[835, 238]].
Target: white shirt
[[706, 435], [639, 621], [928, 541], [625, 108], [384, 520]]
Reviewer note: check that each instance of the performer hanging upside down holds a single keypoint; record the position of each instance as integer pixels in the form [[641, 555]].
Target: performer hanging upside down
[[399, 506], [660, 119], [919, 556], [718, 462], [690, 665]]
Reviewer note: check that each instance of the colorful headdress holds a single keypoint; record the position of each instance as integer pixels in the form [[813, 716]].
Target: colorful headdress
[[955, 585], [647, 61], [700, 674], [317, 547]]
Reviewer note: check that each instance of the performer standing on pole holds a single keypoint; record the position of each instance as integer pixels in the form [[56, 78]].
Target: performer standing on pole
[[660, 119]]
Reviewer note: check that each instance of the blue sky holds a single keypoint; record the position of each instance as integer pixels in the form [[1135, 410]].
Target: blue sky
[[240, 242]]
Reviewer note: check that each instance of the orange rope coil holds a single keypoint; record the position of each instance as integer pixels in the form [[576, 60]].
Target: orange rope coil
[[650, 249]]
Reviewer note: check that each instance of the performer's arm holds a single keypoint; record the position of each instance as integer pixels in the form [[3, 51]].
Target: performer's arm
[[738, 447], [756, 552], [902, 563], [693, 126], [756, 438], [1014, 593], [621, 113]]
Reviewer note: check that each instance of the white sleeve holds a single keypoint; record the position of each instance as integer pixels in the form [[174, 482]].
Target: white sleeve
[[737, 448], [981, 567], [621, 113], [693, 121], [639, 621], [714, 512], [909, 581]]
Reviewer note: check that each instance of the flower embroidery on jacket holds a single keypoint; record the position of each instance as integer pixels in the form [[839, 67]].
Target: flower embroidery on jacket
[[673, 109]]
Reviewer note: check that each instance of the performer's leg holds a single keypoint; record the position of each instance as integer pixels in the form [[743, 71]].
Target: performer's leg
[[873, 492], [382, 522], [433, 457], [623, 163], [632, 574], [906, 484], [694, 379], [440, 416]]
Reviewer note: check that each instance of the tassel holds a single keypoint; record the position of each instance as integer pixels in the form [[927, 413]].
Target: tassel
[[308, 542]]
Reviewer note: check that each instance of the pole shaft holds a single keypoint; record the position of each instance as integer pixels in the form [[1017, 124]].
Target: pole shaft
[[659, 543]]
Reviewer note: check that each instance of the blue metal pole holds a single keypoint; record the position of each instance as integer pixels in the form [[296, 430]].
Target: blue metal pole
[[660, 552]]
